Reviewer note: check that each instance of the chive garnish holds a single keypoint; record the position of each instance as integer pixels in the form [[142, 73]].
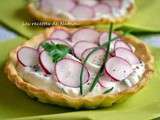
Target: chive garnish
[[96, 79], [108, 90]]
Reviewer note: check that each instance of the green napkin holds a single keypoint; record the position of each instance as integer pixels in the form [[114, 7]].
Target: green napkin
[[16, 104], [14, 15]]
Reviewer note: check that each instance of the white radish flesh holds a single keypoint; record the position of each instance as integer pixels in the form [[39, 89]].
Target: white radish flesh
[[63, 5], [127, 55], [80, 47], [102, 9], [113, 3], [46, 62], [88, 2], [104, 37], [68, 73], [105, 83], [118, 68], [87, 34], [83, 12], [59, 34], [27, 56], [95, 60], [121, 44]]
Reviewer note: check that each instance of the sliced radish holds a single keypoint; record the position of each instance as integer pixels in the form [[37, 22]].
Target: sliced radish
[[70, 56], [118, 68], [113, 3], [87, 34], [81, 46], [82, 12], [59, 34], [106, 83], [96, 59], [104, 37], [63, 5], [68, 73], [62, 42], [127, 55], [102, 9], [27, 56], [121, 44], [88, 2], [46, 62]]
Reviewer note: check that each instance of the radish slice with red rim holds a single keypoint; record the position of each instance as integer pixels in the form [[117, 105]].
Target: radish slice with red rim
[[103, 38], [59, 34], [127, 55], [27, 56], [113, 3], [118, 68], [81, 46], [61, 42], [46, 62], [95, 60], [107, 83], [121, 44], [88, 2], [102, 9], [64, 5], [68, 73], [70, 56], [87, 34], [83, 12]]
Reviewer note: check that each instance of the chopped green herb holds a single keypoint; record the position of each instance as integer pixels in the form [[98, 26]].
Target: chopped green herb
[[56, 51], [108, 90]]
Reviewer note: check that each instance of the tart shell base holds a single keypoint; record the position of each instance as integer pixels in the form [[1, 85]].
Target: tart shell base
[[88, 102]]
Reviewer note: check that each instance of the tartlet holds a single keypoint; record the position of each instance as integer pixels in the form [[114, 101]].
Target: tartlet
[[38, 10], [77, 102]]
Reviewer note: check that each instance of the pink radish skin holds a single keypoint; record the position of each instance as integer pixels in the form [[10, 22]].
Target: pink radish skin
[[68, 73], [27, 56], [121, 44], [102, 9], [59, 34], [89, 35], [118, 68], [82, 12], [103, 38], [127, 55], [81, 46], [46, 62]]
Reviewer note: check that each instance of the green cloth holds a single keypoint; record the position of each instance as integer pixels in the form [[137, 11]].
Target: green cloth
[[14, 103], [14, 14]]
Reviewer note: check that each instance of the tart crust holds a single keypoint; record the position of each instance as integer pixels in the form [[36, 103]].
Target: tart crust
[[60, 21], [88, 102]]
